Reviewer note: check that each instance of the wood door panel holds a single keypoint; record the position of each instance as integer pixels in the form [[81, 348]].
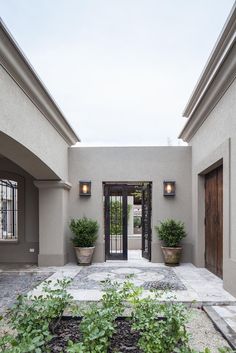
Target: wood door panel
[[214, 221], [220, 224]]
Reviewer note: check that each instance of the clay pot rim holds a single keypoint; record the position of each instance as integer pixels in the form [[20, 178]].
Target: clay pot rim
[[172, 247], [84, 247]]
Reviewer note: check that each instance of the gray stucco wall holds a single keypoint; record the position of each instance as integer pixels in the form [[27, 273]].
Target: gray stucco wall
[[127, 164], [28, 217], [216, 141], [21, 120]]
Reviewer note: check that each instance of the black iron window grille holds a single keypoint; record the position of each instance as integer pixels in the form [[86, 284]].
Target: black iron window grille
[[8, 210]]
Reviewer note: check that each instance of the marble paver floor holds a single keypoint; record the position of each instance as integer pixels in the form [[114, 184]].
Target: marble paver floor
[[187, 283]]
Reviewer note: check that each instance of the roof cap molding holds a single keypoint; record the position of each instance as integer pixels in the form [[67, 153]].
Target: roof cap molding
[[19, 68], [221, 83], [223, 45]]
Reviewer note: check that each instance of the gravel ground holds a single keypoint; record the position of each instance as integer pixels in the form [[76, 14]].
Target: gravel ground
[[203, 333]]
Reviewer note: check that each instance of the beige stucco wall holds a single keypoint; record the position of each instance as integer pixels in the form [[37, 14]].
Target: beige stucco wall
[[28, 217], [155, 164], [22, 121], [216, 141]]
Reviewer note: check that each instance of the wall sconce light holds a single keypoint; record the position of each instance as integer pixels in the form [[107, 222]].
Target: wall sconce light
[[85, 188], [169, 188]]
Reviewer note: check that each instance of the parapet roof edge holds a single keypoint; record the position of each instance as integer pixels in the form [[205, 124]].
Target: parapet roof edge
[[18, 66], [220, 50]]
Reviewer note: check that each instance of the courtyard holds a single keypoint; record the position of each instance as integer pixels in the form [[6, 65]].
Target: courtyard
[[124, 241]]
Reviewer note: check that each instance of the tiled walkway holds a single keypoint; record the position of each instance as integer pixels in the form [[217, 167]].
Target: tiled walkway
[[191, 284]]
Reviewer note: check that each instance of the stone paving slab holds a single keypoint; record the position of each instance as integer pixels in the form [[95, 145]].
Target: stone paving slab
[[228, 313], [224, 318]]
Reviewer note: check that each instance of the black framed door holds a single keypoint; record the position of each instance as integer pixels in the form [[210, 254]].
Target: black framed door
[[146, 221], [116, 221]]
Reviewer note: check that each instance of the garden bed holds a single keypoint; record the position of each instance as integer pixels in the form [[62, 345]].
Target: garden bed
[[123, 341], [200, 328], [37, 324]]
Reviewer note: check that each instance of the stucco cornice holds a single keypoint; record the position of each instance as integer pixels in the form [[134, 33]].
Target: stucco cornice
[[209, 82], [51, 184], [18, 67]]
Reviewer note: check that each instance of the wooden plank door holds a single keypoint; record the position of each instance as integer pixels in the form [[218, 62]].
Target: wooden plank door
[[214, 221]]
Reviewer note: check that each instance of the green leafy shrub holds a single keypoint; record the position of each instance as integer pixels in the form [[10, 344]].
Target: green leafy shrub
[[171, 232], [85, 232], [98, 324], [33, 319], [160, 335]]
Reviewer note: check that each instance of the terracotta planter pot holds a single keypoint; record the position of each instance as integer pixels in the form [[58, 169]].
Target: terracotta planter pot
[[171, 255], [84, 255]]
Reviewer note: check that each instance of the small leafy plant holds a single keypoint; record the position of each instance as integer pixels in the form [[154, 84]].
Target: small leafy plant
[[98, 324], [33, 319], [171, 232], [85, 232], [161, 325]]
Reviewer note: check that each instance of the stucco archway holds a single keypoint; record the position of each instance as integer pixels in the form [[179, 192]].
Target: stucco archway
[[25, 159]]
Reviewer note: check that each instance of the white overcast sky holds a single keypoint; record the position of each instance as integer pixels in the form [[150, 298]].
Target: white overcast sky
[[121, 70]]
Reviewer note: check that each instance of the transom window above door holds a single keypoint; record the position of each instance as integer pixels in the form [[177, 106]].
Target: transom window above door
[[8, 210]]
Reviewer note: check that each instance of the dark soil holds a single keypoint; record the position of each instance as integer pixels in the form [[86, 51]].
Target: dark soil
[[123, 341], [68, 329]]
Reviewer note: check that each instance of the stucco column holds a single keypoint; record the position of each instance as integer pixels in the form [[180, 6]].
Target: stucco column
[[53, 200]]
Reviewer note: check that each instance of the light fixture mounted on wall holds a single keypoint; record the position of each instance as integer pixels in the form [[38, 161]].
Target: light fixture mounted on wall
[[169, 188], [85, 188]]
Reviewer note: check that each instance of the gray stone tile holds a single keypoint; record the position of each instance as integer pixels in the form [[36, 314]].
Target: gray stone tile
[[14, 283]]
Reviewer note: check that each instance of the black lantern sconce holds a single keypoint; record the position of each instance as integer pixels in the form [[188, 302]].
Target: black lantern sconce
[[85, 188], [169, 188]]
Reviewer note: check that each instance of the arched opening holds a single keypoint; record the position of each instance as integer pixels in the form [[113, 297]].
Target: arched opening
[[25, 158]]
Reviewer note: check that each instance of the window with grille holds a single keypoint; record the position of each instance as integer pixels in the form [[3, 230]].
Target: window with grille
[[8, 209]]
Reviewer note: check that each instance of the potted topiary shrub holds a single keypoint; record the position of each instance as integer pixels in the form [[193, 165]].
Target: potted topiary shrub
[[85, 232], [171, 232]]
